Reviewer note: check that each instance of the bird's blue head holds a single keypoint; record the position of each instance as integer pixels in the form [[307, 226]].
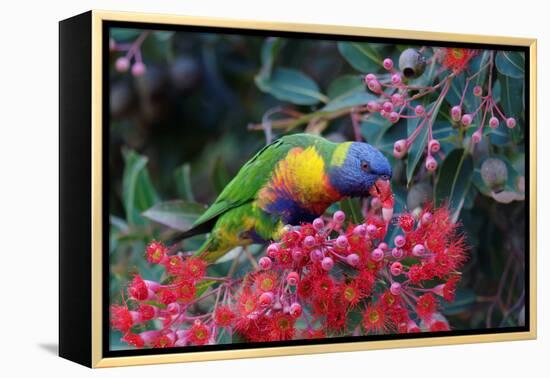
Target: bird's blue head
[[356, 167]]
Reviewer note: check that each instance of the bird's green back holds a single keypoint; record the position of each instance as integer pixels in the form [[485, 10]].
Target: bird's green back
[[257, 171]]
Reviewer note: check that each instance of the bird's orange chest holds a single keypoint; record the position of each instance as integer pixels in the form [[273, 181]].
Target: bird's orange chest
[[299, 186]]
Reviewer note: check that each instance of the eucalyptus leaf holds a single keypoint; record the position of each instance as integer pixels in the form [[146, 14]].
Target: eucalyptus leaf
[[454, 180], [510, 63], [138, 193], [364, 57], [291, 85], [177, 214]]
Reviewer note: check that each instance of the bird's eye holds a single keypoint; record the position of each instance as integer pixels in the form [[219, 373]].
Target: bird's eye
[[364, 166], [385, 177]]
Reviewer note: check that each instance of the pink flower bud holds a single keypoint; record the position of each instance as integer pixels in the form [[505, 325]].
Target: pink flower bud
[[476, 136], [122, 64], [360, 230], [372, 229], [272, 250], [493, 122], [383, 246], [342, 242], [478, 91], [309, 242], [297, 255], [374, 86], [400, 148], [373, 106], [396, 79], [394, 117], [173, 308], [353, 259], [397, 99], [396, 268], [293, 278], [397, 253], [327, 263], [456, 113], [419, 110], [511, 123], [418, 250], [339, 217], [431, 164], [370, 77], [427, 218], [295, 310], [395, 288], [266, 299], [318, 224], [388, 64], [377, 254], [387, 106], [467, 119], [138, 69], [316, 255], [434, 145], [399, 241], [265, 263]]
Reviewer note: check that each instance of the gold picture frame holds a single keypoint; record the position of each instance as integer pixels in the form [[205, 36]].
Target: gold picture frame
[[92, 25]]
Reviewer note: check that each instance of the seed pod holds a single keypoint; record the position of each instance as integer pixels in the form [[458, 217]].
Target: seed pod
[[494, 174], [411, 63]]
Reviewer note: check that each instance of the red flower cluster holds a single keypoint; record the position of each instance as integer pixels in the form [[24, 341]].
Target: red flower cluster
[[321, 279], [457, 59]]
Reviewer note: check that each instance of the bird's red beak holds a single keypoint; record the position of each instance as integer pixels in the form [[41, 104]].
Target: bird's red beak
[[382, 190]]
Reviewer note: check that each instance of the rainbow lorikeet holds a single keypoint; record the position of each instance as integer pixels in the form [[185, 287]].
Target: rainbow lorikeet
[[292, 180]]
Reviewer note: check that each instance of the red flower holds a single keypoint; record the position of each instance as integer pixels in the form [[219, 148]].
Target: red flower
[[199, 333], [282, 327], [457, 59], [406, 222], [351, 293], [137, 289], [133, 339], [166, 340], [265, 281], [155, 252], [194, 268], [186, 290], [166, 296], [248, 303], [439, 326], [147, 312], [426, 305], [449, 289], [224, 316], [123, 319], [173, 264], [374, 319]]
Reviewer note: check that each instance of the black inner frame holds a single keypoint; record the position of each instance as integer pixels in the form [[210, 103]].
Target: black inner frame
[[106, 25]]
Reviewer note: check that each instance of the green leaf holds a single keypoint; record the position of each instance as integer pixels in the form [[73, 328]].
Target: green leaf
[[454, 180], [347, 91], [511, 94], [270, 50], [183, 182], [352, 208], [416, 150], [177, 214], [220, 175], [138, 193], [510, 63], [203, 286], [349, 100], [124, 34], [291, 85], [364, 57], [345, 84]]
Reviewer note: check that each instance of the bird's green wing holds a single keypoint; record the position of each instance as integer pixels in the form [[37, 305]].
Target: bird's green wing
[[248, 181]]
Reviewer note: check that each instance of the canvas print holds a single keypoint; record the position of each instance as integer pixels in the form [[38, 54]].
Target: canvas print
[[273, 188]]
